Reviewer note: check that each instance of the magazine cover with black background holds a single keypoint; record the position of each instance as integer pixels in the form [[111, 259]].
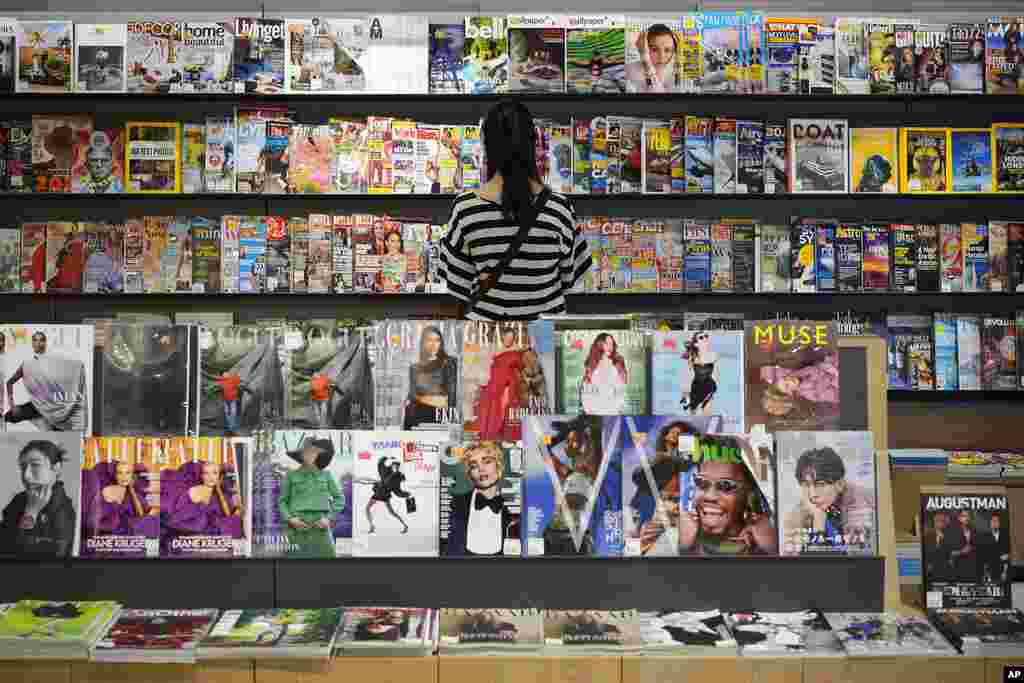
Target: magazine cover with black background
[[241, 380], [147, 376], [965, 547]]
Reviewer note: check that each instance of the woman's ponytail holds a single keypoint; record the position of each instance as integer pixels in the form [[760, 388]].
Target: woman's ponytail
[[509, 139]]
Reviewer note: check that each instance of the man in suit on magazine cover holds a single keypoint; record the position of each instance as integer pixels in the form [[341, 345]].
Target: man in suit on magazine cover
[[994, 549], [480, 521]]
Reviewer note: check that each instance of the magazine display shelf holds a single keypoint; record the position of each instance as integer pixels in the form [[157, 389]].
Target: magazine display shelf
[[529, 670]]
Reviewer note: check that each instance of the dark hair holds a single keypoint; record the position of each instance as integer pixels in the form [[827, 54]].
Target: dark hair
[[39, 333], [510, 147], [54, 453], [655, 30], [442, 354], [684, 428], [825, 463]]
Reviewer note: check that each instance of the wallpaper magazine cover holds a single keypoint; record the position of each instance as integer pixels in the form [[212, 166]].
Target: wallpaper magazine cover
[[205, 509], [327, 375], [120, 514], [48, 374], [792, 375], [241, 387], [965, 548], [302, 494], [43, 464], [656, 457], [573, 486], [395, 481], [508, 372], [698, 372], [417, 374], [602, 372], [595, 53], [146, 382], [827, 487], [481, 498], [590, 632], [478, 631]]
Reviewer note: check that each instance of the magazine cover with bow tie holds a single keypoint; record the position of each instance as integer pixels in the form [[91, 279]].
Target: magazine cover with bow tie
[[46, 378], [205, 509], [395, 494], [573, 486]]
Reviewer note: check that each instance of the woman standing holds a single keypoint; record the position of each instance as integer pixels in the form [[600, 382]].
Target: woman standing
[[603, 385], [497, 266], [702, 362]]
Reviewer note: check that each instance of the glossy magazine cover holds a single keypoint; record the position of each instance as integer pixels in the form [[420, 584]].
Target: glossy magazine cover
[[481, 498], [302, 501], [273, 632], [147, 380], [471, 631], [180, 56], [883, 634], [120, 513], [40, 495], [791, 375], [205, 492], [325, 55], [507, 373], [827, 500], [259, 55], [801, 634], [573, 486], [602, 372], [47, 372], [595, 53], [698, 373], [396, 481], [154, 635], [241, 385]]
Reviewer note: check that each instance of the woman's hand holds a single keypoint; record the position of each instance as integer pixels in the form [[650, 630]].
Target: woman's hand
[[297, 523], [759, 536], [323, 523], [432, 400], [689, 526]]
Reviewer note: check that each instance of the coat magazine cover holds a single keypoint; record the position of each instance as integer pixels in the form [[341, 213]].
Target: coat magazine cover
[[47, 375], [602, 372], [698, 372], [120, 514], [481, 498], [328, 382], [656, 457], [396, 482], [965, 549], [573, 486], [205, 499], [147, 380], [827, 493], [416, 371], [40, 496], [792, 375], [302, 494], [241, 383], [508, 372]]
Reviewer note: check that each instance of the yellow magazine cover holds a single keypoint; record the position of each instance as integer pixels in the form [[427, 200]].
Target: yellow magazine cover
[[1008, 157], [152, 157], [874, 165], [925, 156]]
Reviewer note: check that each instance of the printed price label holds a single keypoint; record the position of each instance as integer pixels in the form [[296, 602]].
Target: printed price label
[[632, 547], [934, 599], [535, 547], [293, 340]]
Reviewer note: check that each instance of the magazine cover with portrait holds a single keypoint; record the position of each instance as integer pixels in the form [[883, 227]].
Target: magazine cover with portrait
[[392, 629], [120, 517], [241, 379], [417, 374], [302, 494], [480, 631], [698, 372], [396, 481], [46, 372], [508, 372], [965, 548], [657, 454], [205, 499], [727, 497], [573, 486], [827, 493], [791, 375], [40, 494], [146, 379], [481, 498], [329, 383], [602, 372], [591, 631]]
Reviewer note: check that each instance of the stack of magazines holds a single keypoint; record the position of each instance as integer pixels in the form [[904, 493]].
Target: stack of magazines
[[588, 632], [273, 634], [153, 636], [490, 631], [387, 632], [37, 629], [780, 634], [983, 632], [881, 634], [691, 634]]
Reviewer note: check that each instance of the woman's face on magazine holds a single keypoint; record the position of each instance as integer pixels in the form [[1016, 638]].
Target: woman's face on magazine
[[661, 49]]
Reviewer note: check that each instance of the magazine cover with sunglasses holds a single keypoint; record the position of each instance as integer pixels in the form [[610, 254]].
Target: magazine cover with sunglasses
[[573, 486], [656, 466], [727, 499], [827, 496]]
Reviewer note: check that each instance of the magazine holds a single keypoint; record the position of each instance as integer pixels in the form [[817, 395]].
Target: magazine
[[602, 372], [100, 57], [259, 55], [241, 387], [180, 56], [595, 54], [536, 48], [697, 372], [45, 56]]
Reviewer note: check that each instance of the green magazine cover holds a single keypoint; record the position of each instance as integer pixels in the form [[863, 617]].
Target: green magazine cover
[[602, 372], [56, 621]]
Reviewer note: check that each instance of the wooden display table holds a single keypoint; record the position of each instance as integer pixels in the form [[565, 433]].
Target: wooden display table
[[901, 669], [712, 669], [528, 669], [349, 670], [210, 672], [35, 671]]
